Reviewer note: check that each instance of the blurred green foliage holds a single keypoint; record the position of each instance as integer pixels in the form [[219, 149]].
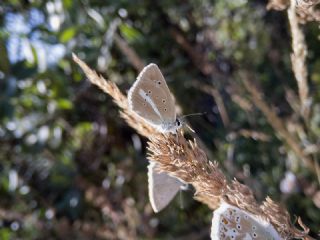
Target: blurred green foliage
[[57, 131]]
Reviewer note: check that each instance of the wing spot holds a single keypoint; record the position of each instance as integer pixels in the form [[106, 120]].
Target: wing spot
[[254, 227], [224, 221], [254, 235], [159, 83], [149, 91], [163, 100], [239, 226], [165, 109]]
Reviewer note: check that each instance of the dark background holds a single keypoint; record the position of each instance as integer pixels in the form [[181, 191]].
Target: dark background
[[70, 167]]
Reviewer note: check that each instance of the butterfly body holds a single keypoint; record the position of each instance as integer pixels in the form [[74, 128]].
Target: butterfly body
[[169, 127]]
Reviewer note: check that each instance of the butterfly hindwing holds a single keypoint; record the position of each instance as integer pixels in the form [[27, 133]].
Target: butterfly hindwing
[[162, 188]]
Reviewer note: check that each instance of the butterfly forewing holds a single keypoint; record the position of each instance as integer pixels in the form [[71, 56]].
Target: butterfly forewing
[[231, 223], [151, 98], [162, 188]]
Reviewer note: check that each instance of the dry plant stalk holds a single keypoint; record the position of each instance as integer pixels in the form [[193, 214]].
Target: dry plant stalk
[[276, 122], [298, 59], [305, 9], [185, 160]]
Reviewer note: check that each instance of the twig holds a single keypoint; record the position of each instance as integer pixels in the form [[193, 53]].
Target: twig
[[133, 58], [198, 59], [219, 101]]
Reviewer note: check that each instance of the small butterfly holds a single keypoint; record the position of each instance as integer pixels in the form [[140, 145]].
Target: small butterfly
[[232, 223], [151, 99]]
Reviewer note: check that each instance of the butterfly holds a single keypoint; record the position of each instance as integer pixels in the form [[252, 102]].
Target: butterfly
[[232, 223], [151, 99]]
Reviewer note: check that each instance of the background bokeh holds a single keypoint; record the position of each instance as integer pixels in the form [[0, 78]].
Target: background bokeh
[[70, 168]]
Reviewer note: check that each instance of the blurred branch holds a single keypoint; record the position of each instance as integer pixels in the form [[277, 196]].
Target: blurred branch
[[60, 227], [199, 60], [247, 133], [276, 122], [237, 97], [124, 223], [298, 59], [132, 56], [218, 99]]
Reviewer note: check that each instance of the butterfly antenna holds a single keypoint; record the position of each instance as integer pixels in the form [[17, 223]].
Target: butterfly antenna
[[193, 114]]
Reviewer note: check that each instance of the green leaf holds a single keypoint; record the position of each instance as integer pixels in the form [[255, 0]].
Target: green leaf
[[65, 104], [5, 234], [67, 3], [4, 63], [129, 33], [67, 34]]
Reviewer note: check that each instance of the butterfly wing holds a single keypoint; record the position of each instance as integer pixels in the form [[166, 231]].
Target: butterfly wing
[[151, 98], [162, 188], [229, 222]]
